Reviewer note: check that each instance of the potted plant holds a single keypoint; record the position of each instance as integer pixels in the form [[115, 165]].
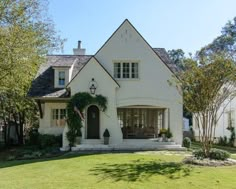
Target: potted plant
[[162, 133], [106, 136], [78, 137], [169, 135]]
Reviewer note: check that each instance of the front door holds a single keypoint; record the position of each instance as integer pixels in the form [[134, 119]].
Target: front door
[[93, 122]]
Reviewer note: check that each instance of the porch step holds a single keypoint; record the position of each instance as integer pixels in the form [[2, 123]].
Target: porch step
[[92, 141], [128, 147], [91, 147]]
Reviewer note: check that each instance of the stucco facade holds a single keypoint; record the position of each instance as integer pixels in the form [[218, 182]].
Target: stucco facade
[[226, 118], [150, 90]]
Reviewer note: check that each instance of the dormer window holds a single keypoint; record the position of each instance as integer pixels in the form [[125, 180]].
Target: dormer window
[[61, 78]]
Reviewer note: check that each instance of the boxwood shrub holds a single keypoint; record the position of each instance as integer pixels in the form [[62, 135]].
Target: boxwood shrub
[[187, 142], [215, 154]]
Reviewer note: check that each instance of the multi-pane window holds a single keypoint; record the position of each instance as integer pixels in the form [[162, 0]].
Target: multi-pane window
[[126, 70], [58, 117], [61, 78], [117, 70], [134, 70]]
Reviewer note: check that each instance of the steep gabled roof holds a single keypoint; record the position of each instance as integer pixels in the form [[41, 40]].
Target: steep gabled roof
[[160, 52], [43, 84]]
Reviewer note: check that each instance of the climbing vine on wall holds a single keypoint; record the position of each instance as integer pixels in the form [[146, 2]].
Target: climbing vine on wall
[[75, 108]]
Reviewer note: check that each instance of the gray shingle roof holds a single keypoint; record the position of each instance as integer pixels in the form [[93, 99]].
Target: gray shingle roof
[[43, 84], [161, 52]]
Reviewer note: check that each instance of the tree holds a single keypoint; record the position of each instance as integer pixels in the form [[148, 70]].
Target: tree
[[26, 36], [17, 111], [205, 87], [223, 44], [177, 57]]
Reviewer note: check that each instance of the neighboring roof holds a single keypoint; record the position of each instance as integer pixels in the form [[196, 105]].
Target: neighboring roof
[[161, 52], [43, 84]]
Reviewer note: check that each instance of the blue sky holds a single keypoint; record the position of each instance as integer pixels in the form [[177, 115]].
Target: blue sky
[[171, 24]]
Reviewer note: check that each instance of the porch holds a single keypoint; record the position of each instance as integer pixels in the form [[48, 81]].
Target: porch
[[142, 122]]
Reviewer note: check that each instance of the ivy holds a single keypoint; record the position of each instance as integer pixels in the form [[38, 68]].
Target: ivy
[[80, 101]]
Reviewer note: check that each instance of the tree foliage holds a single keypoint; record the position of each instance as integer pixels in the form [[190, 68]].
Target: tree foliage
[[79, 102], [26, 35], [223, 44], [177, 56], [205, 87]]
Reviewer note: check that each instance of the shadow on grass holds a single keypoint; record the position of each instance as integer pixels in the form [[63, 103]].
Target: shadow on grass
[[141, 170]]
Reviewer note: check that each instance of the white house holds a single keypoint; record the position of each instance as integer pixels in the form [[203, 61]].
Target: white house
[[226, 118], [134, 78]]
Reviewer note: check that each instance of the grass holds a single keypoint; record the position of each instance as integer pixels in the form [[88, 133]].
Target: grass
[[108, 171], [197, 145]]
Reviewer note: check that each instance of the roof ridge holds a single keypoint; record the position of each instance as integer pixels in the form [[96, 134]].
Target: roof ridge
[[67, 55]]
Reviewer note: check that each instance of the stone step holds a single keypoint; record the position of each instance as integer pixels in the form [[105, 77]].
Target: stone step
[[125, 147], [92, 141]]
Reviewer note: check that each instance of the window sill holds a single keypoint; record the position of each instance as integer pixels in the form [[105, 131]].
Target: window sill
[[127, 79]]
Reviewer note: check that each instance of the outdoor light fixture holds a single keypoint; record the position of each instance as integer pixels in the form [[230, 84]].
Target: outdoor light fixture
[[93, 86]]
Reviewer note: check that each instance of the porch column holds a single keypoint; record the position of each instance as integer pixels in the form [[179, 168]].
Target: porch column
[[166, 118]]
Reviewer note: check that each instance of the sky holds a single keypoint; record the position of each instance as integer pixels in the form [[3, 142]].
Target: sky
[[170, 24]]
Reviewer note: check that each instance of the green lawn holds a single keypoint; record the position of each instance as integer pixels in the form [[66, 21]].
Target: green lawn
[[127, 170], [197, 145]]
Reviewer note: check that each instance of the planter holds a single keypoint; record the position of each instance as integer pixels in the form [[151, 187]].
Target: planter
[[169, 139], [163, 137], [78, 140], [159, 139], [106, 140]]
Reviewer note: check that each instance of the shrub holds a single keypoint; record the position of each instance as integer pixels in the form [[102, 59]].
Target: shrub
[[215, 154], [232, 136], [106, 133], [33, 137], [169, 134], [46, 140], [218, 154], [223, 141], [199, 154], [187, 142]]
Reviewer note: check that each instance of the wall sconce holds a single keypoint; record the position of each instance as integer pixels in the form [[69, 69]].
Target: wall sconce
[[93, 86]]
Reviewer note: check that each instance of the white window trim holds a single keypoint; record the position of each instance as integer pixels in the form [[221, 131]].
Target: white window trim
[[130, 69], [61, 71], [59, 115]]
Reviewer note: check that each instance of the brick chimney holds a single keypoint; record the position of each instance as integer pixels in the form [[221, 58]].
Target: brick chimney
[[79, 50]]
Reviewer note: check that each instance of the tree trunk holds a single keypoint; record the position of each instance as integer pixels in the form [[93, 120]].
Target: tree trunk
[[8, 132], [21, 125], [16, 128]]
